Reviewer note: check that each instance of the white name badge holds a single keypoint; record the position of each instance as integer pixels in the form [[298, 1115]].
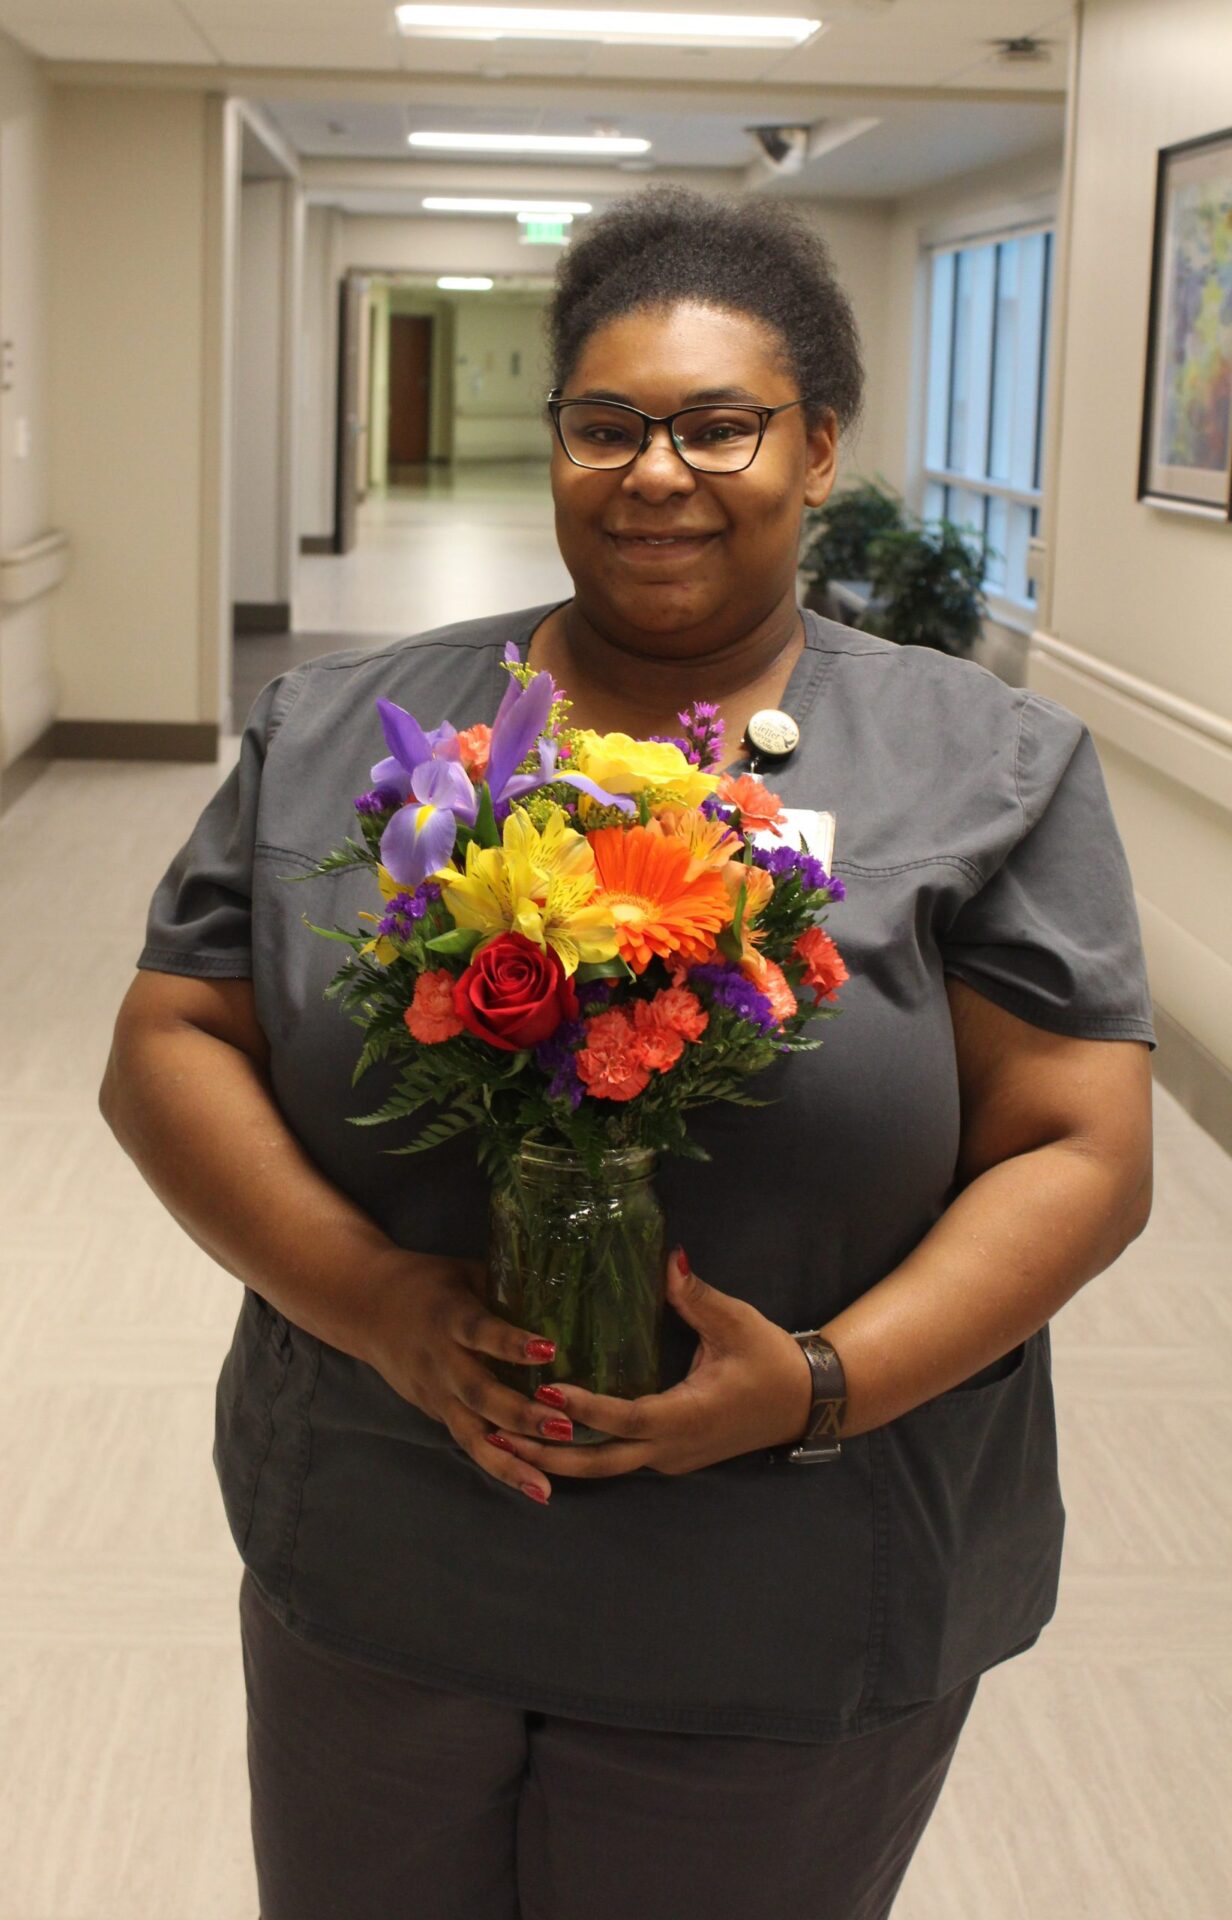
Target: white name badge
[[803, 829]]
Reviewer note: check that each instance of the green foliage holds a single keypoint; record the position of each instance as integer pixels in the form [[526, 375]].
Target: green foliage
[[838, 535], [927, 581]]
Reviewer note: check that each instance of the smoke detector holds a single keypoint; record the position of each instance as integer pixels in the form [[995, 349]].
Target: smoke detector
[[1022, 49]]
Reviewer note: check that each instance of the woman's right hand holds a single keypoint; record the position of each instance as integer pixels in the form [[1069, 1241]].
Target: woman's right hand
[[428, 1336]]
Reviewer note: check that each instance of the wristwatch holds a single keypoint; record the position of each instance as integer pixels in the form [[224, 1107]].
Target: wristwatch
[[821, 1441]]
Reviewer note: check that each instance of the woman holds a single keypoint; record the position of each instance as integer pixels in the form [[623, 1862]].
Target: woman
[[705, 1679]]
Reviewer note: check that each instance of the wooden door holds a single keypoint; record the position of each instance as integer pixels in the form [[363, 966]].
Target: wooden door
[[410, 375], [346, 491]]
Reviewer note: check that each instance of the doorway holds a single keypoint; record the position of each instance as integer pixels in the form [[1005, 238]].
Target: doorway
[[410, 391]]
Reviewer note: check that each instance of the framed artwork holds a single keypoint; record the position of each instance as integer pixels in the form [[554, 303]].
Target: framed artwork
[[1186, 457]]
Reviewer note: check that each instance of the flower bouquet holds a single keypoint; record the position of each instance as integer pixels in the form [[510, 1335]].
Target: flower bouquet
[[583, 937]]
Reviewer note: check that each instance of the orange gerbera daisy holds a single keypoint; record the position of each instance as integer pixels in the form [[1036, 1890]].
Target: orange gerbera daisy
[[653, 899], [711, 842]]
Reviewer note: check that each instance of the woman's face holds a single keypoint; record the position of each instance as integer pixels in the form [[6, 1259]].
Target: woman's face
[[657, 549]]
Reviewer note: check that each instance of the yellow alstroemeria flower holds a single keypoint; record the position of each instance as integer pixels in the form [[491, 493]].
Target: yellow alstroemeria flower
[[539, 882], [620, 764]]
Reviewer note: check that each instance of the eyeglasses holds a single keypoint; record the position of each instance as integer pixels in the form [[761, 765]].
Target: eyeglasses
[[603, 435]]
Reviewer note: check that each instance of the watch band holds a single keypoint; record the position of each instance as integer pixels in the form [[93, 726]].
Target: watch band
[[821, 1438]]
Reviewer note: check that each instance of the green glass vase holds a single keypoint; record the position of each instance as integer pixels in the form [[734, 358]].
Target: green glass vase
[[578, 1256]]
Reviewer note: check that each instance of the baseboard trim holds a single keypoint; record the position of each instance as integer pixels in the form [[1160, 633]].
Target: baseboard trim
[[261, 616], [28, 767], [316, 543], [1195, 1079], [133, 740]]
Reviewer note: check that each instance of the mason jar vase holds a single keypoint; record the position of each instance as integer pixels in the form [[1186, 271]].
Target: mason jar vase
[[577, 1255]]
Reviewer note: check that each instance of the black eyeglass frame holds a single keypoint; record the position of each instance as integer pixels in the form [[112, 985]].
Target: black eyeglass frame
[[556, 402]]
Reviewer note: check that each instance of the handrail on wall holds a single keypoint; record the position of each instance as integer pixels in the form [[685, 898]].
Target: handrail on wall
[[33, 569]]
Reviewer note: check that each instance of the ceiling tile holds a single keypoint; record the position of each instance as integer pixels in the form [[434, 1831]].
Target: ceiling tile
[[136, 30]]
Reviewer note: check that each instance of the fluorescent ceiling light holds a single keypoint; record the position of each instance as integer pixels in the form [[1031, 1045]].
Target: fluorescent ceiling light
[[605, 25], [590, 143], [524, 209], [464, 283]]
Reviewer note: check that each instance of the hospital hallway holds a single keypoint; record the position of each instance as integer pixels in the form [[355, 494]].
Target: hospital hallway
[[284, 292], [123, 1687]]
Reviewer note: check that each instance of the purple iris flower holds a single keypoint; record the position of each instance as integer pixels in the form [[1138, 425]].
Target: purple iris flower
[[427, 767]]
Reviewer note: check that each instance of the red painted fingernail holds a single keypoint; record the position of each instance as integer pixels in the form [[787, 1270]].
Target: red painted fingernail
[[541, 1350], [535, 1492], [682, 1261], [499, 1440], [557, 1429], [551, 1397]]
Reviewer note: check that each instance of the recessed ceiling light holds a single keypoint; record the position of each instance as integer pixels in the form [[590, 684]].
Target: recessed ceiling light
[[525, 143], [606, 25], [464, 283], [524, 209]]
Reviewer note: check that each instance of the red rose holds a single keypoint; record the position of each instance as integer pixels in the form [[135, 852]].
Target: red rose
[[514, 994]]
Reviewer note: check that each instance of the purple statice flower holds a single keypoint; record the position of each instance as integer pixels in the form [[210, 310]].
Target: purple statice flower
[[714, 809], [594, 993], [781, 861], [703, 730], [404, 909], [728, 987], [557, 1055], [378, 800]]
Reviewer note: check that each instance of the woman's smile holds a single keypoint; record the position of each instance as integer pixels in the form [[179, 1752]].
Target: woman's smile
[[638, 548]]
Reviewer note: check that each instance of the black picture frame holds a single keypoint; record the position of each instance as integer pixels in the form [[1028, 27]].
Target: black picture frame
[[1193, 184]]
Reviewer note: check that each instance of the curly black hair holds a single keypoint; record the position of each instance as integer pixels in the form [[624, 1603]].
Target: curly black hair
[[753, 256]]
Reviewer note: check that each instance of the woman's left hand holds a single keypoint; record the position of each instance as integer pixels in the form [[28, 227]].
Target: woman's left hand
[[749, 1386]]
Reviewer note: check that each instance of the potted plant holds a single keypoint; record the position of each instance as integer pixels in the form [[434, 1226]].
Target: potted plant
[[927, 586], [837, 536]]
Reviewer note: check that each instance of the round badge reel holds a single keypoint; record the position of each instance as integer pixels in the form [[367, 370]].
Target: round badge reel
[[772, 737]]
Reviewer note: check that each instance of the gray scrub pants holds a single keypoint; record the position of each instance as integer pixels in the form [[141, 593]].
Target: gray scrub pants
[[377, 1798]]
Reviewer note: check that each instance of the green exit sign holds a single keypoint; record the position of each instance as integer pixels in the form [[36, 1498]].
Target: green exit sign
[[546, 233]]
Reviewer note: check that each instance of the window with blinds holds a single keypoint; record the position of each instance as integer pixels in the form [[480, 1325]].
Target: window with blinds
[[987, 366]]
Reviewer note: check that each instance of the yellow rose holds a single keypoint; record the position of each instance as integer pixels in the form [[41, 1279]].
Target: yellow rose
[[621, 764]]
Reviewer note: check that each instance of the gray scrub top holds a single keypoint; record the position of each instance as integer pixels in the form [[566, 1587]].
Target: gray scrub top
[[974, 836]]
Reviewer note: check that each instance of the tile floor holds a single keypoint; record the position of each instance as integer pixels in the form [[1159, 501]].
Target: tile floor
[[1089, 1782]]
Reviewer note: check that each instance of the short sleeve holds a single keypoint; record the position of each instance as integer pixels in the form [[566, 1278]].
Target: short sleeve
[[1052, 934], [200, 918]]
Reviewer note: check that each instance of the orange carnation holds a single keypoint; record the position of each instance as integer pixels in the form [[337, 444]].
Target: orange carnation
[[679, 1007], [770, 979], [760, 810], [658, 905], [824, 970], [474, 743], [610, 1065], [430, 1016], [658, 1044]]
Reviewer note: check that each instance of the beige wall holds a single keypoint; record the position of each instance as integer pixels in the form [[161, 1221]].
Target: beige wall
[[135, 476], [318, 375], [267, 281], [500, 379], [27, 677], [858, 235], [1141, 600]]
